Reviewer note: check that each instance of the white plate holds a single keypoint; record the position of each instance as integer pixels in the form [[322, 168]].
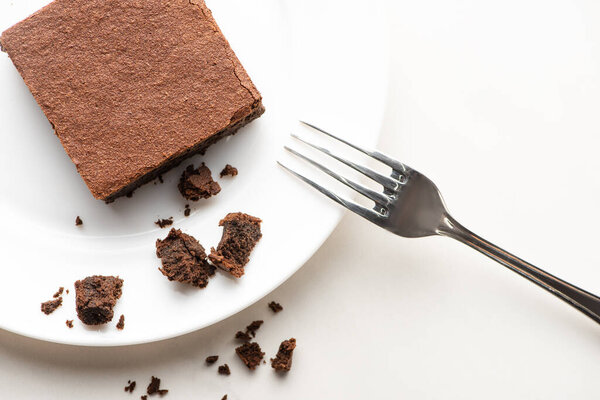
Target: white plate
[[303, 69]]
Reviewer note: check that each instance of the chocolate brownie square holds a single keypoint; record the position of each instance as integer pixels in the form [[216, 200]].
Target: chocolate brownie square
[[131, 87]]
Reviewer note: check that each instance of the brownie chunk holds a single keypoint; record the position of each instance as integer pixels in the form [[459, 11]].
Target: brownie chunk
[[283, 360], [275, 307], [69, 323], [162, 223], [183, 259], [51, 305], [59, 292], [253, 327], [130, 386], [78, 221], [132, 87], [211, 359], [224, 397], [154, 387], [243, 336], [187, 210], [121, 323], [228, 170], [250, 354], [95, 298], [224, 369], [241, 232], [196, 184]]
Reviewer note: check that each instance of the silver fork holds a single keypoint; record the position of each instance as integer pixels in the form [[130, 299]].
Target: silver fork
[[411, 206]]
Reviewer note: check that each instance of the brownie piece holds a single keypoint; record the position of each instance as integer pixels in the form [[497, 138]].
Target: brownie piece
[[50, 306], [78, 221], [69, 323], [196, 184], [187, 210], [154, 387], [243, 336], [59, 292], [228, 170], [275, 307], [253, 327], [224, 369], [130, 386], [144, 397], [95, 298], [183, 259], [241, 232], [121, 323], [131, 88], [250, 354], [283, 360], [211, 359], [162, 223], [224, 397]]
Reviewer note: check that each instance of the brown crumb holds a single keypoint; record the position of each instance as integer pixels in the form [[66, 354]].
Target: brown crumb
[[51, 305], [67, 291], [198, 183], [275, 307], [130, 387], [224, 369], [164, 222], [58, 292], [160, 178], [69, 323], [121, 323], [283, 360], [130, 194], [224, 397], [144, 397], [253, 327], [95, 298], [243, 336], [78, 221], [211, 359], [187, 210], [250, 354], [183, 259], [229, 170], [154, 387], [241, 232]]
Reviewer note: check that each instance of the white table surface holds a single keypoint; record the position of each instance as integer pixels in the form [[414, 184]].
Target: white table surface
[[378, 316]]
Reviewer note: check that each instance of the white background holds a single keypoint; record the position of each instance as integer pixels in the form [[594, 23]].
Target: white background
[[504, 95]]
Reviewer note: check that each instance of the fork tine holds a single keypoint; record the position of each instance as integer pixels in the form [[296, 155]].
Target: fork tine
[[383, 180], [397, 165], [378, 198], [350, 205]]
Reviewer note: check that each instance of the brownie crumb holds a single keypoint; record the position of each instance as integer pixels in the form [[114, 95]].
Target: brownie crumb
[[283, 360], [78, 221], [67, 291], [130, 194], [253, 327], [121, 323], [183, 259], [187, 210], [49, 306], [224, 397], [130, 387], [164, 222], [211, 359], [243, 336], [59, 292], [160, 178], [69, 323], [241, 232], [250, 354], [95, 298], [224, 369], [154, 387], [144, 397], [195, 184], [275, 307], [229, 170]]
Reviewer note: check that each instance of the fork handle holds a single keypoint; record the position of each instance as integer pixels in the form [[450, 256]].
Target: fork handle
[[584, 301]]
